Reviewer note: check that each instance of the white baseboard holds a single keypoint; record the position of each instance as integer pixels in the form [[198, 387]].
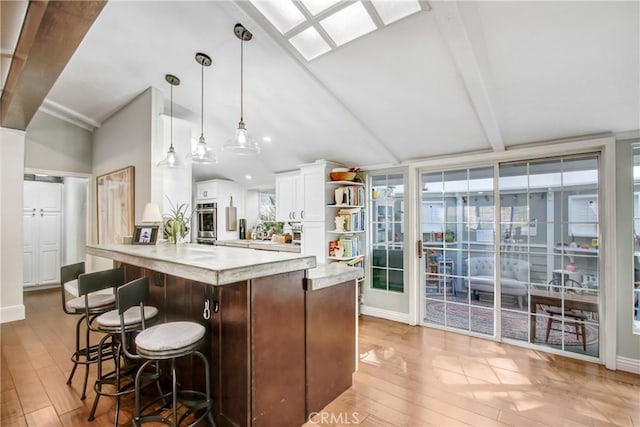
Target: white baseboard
[[627, 364], [12, 313], [385, 314]]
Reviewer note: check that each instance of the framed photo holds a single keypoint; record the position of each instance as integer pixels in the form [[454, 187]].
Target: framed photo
[[145, 235], [115, 205]]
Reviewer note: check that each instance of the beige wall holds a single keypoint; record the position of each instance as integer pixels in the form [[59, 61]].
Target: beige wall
[[53, 144], [11, 224], [125, 139]]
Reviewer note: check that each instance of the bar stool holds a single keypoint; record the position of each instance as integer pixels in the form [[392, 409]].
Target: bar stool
[[123, 375], [166, 341], [88, 308]]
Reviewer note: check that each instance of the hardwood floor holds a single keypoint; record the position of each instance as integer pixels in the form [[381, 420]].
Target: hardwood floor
[[408, 376]]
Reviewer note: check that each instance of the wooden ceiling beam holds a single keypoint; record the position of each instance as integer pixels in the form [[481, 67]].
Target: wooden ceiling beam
[[51, 33]]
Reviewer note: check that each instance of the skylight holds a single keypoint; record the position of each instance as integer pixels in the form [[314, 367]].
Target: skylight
[[310, 43], [317, 6], [284, 15], [315, 27], [348, 24]]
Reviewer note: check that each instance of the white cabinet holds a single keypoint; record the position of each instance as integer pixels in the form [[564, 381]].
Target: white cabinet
[[315, 221], [313, 192], [289, 197], [206, 191], [312, 240], [42, 233]]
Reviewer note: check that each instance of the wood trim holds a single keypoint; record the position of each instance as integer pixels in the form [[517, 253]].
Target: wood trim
[[51, 33]]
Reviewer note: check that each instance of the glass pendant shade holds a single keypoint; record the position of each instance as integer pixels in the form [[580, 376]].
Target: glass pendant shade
[[171, 160], [242, 143], [202, 154]]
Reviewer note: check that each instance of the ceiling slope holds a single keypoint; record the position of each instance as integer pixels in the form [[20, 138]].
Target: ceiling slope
[[464, 76], [50, 34]]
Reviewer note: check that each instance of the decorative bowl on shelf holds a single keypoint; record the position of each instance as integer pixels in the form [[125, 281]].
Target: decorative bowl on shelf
[[342, 176]]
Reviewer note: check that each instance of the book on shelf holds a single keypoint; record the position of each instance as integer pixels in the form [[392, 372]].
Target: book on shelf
[[345, 247], [354, 195], [333, 244], [354, 218]]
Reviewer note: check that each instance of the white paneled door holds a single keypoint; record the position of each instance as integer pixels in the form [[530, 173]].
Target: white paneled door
[[42, 233]]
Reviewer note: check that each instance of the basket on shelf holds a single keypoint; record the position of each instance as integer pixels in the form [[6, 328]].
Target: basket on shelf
[[342, 176]]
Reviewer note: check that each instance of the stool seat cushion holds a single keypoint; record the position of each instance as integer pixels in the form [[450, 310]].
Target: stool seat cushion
[[169, 336], [111, 319], [96, 300]]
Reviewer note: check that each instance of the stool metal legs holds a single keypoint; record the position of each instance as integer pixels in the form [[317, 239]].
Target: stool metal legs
[[87, 355], [195, 401]]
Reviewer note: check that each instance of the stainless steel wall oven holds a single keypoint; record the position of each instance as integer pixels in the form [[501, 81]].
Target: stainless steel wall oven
[[207, 214]]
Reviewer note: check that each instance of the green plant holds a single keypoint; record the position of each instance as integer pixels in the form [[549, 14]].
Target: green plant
[[176, 222]]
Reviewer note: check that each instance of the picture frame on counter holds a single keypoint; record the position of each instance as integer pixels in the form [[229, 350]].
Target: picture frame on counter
[[145, 235]]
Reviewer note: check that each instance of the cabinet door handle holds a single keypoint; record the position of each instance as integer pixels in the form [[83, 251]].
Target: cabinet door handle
[[419, 248], [301, 214]]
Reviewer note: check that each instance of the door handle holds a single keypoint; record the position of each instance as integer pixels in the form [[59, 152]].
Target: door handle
[[419, 248], [301, 214], [294, 215]]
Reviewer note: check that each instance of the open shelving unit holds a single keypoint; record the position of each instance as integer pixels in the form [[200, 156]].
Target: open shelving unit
[[352, 240]]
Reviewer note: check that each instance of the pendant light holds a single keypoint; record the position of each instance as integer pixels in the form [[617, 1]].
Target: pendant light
[[242, 143], [171, 160], [202, 154]]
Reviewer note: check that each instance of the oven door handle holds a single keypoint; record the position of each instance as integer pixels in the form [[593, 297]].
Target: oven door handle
[[212, 210]]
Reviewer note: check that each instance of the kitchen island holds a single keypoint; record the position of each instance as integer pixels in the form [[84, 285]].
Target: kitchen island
[[281, 334]]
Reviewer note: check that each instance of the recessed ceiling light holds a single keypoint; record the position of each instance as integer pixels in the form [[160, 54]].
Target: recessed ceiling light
[[41, 174], [391, 11], [316, 6], [266, 139], [309, 43], [348, 24], [248, 177], [284, 15]]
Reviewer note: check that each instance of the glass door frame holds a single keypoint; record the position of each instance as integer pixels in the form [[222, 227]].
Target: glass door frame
[[605, 146]]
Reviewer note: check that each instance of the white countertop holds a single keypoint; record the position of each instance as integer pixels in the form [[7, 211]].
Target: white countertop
[[265, 245], [325, 275], [216, 265]]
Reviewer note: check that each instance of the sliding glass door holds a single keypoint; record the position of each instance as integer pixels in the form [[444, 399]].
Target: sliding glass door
[[457, 226], [549, 253], [523, 266]]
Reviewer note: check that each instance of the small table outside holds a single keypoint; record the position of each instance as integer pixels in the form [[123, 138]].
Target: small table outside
[[587, 302]]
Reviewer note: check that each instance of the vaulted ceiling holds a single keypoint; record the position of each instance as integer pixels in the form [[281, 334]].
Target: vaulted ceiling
[[454, 77]]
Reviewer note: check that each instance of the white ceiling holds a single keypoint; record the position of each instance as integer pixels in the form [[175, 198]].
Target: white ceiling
[[463, 76]]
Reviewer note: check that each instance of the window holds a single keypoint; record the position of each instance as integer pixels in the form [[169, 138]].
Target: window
[[387, 232], [267, 206], [315, 27]]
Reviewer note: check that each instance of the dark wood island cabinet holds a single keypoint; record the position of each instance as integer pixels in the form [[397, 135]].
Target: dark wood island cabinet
[[281, 344]]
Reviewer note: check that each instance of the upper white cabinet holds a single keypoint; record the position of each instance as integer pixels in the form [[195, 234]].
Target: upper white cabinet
[[206, 191], [289, 203], [302, 196], [313, 192]]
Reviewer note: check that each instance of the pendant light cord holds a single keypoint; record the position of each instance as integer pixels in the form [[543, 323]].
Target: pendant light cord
[[241, 78], [171, 118], [202, 99]]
